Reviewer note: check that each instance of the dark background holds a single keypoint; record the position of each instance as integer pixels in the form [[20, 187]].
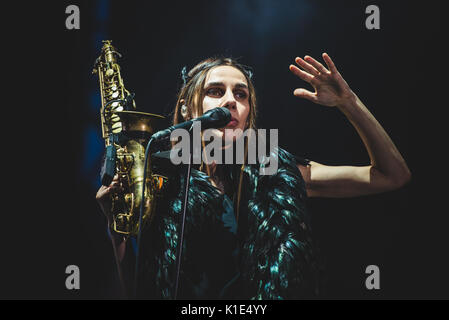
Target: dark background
[[396, 71]]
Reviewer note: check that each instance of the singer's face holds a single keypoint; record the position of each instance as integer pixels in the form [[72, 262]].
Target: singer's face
[[226, 86]]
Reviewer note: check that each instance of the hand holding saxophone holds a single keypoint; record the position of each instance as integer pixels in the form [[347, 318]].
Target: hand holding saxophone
[[104, 196]]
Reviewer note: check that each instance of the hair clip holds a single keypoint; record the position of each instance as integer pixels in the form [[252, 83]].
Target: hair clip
[[184, 75], [250, 73]]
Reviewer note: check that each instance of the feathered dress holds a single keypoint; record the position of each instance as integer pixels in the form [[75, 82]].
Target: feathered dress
[[267, 254]]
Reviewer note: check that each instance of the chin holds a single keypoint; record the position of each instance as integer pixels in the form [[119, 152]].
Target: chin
[[229, 136]]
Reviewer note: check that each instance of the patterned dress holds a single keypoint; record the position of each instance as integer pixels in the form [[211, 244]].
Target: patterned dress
[[267, 254]]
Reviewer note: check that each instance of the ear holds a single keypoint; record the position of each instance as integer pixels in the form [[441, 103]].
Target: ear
[[184, 109]]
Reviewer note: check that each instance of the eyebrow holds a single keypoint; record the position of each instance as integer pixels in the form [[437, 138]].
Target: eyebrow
[[221, 84]]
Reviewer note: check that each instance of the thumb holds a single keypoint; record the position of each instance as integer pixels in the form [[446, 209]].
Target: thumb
[[305, 94]]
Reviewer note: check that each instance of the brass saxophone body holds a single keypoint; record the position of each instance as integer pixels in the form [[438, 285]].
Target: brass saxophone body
[[126, 133]]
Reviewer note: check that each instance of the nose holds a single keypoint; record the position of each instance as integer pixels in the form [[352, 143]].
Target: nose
[[229, 100]]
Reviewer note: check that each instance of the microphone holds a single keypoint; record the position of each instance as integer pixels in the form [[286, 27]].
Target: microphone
[[214, 118]]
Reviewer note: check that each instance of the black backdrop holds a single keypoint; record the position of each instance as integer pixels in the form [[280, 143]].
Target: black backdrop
[[395, 71]]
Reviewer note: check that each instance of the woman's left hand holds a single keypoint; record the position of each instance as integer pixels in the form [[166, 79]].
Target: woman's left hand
[[330, 88]]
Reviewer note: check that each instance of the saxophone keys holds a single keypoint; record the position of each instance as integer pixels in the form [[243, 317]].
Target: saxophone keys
[[109, 72]]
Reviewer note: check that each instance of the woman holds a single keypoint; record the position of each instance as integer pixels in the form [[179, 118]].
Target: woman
[[248, 235]]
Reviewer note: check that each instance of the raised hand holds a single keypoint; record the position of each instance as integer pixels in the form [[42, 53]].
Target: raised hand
[[330, 88]]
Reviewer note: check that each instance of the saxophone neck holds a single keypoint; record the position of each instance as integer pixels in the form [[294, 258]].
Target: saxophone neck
[[114, 96], [109, 52]]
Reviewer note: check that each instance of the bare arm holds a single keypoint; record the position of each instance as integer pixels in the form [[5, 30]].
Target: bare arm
[[119, 243], [387, 169], [103, 198]]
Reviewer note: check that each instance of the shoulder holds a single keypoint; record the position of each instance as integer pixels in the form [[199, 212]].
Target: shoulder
[[284, 161]]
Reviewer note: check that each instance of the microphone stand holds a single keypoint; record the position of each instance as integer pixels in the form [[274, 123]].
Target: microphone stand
[[184, 210], [186, 197]]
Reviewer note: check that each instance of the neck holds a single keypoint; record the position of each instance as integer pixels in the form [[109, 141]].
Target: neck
[[218, 176]]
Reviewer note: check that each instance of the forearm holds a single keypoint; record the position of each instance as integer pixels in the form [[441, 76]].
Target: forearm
[[124, 260], [384, 156], [387, 170], [119, 244]]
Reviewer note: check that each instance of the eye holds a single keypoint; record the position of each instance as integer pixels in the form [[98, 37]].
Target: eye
[[241, 94], [214, 92]]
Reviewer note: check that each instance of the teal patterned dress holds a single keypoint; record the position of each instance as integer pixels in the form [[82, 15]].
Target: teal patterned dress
[[267, 254]]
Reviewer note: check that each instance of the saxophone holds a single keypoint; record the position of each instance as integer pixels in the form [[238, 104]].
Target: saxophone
[[126, 133]]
